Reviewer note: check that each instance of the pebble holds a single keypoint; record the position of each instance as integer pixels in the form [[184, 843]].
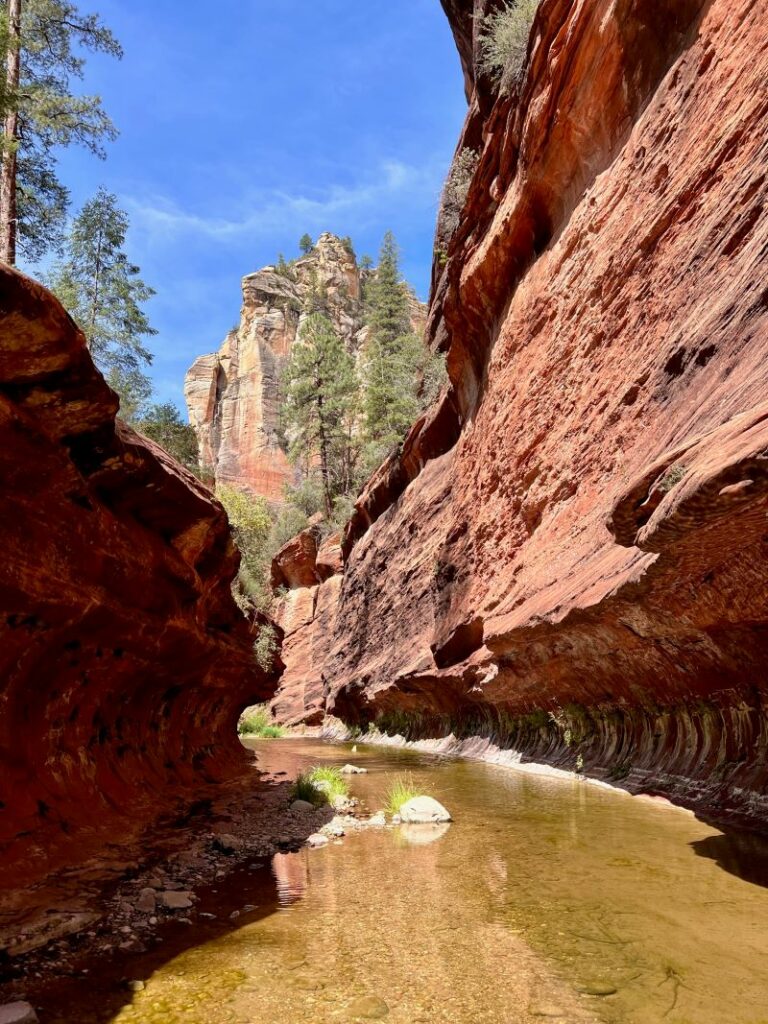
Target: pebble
[[316, 840], [302, 806], [597, 988], [136, 986], [369, 1007]]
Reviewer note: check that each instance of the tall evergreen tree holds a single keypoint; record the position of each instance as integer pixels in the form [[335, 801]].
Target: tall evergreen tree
[[306, 244], [391, 359], [43, 42], [103, 292], [320, 400]]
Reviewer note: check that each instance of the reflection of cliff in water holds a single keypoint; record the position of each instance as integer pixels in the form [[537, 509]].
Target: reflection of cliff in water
[[292, 876]]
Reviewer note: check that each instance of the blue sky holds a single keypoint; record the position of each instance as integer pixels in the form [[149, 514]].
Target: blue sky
[[245, 123]]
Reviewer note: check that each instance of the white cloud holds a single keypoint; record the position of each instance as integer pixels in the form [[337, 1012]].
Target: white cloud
[[160, 219]]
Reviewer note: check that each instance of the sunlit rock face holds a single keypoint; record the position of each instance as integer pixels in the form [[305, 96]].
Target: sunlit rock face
[[233, 395], [124, 662], [571, 551]]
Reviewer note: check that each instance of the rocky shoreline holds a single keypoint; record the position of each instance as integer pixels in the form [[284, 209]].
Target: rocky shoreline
[[117, 909]]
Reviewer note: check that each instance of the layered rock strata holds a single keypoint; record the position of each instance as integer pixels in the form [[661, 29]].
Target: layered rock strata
[[233, 396], [571, 551], [124, 662]]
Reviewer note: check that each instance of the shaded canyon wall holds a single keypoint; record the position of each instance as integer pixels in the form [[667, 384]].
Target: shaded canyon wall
[[570, 554], [124, 662]]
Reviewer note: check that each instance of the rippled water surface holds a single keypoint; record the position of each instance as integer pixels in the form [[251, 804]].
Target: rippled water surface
[[545, 900]]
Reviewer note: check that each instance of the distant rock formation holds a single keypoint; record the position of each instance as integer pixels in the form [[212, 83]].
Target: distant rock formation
[[124, 662], [570, 553], [233, 394]]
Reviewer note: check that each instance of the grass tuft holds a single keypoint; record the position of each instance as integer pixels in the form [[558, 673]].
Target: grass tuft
[[258, 722], [320, 785], [400, 792]]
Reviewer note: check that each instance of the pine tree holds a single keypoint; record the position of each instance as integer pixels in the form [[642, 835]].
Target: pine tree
[[306, 244], [320, 401], [163, 424], [43, 42], [103, 292], [391, 359]]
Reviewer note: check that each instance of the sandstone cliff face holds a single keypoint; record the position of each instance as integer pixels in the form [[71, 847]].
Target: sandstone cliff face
[[307, 574], [124, 662], [571, 552], [233, 395]]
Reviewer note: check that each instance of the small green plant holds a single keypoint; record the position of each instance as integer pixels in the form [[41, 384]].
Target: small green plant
[[257, 722], [455, 193], [504, 40], [673, 476], [322, 784], [265, 648], [400, 792]]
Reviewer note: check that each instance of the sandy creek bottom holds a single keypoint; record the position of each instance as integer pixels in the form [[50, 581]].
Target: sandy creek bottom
[[541, 894]]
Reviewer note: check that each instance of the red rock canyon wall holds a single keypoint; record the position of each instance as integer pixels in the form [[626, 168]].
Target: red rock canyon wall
[[571, 551], [124, 662]]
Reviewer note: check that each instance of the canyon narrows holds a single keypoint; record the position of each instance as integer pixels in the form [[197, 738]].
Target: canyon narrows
[[570, 553], [564, 562]]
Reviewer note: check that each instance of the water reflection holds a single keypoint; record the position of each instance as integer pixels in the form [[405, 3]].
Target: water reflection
[[543, 900]]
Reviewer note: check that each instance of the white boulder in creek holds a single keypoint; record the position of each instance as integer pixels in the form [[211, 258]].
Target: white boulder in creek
[[353, 769], [423, 810]]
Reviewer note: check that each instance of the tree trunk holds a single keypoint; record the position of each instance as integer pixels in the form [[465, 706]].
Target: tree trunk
[[323, 439], [8, 212]]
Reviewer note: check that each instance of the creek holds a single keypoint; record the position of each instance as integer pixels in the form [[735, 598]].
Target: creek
[[545, 900]]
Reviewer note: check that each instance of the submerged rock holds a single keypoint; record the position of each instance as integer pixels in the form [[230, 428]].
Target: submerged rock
[[317, 839], [423, 810], [18, 1013], [369, 1008]]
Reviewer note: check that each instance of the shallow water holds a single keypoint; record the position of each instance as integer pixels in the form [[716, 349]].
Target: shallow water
[[541, 894]]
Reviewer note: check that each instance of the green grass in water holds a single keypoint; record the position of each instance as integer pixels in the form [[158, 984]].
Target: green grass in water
[[400, 792], [258, 723], [333, 785]]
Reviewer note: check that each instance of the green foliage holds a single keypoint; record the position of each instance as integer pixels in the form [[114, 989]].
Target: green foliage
[[504, 40], [306, 245], [391, 360], [258, 723], [164, 425], [307, 495], [320, 387], [455, 193], [320, 785], [434, 378], [672, 477], [288, 521], [102, 289], [265, 647], [55, 35], [400, 792], [251, 524], [366, 262], [135, 390]]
